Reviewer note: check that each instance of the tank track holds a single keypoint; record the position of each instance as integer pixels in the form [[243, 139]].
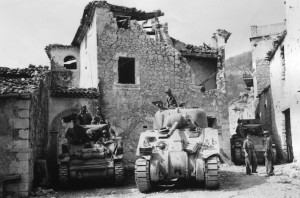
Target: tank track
[[119, 174], [142, 175], [238, 156], [212, 173], [63, 175]]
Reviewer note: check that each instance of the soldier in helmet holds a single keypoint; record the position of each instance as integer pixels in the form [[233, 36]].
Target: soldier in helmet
[[268, 154], [84, 117], [250, 155], [99, 118], [171, 99], [108, 140]]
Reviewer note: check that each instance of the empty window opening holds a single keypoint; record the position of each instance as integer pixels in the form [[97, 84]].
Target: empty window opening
[[211, 121], [204, 72], [70, 62], [123, 22], [126, 70]]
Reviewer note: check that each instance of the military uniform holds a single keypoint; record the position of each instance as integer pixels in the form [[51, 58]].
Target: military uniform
[[269, 156], [251, 159]]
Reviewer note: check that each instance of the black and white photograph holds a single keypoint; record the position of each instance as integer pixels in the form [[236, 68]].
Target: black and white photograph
[[149, 98]]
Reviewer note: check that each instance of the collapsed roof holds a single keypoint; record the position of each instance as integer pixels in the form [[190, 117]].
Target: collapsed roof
[[89, 12]]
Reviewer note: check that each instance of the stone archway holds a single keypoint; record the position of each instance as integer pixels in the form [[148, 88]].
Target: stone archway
[[60, 127]]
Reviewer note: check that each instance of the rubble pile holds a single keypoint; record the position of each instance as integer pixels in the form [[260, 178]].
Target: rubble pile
[[205, 49], [40, 192], [20, 80]]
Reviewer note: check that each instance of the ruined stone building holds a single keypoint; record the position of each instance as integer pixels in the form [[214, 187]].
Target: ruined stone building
[[120, 59], [275, 52], [131, 59]]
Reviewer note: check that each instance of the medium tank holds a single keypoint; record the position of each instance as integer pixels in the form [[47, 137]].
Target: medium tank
[[180, 146], [253, 127], [88, 159]]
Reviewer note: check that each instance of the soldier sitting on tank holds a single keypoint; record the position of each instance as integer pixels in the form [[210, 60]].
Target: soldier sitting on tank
[[191, 125], [84, 117], [171, 99], [108, 139], [98, 119], [71, 135]]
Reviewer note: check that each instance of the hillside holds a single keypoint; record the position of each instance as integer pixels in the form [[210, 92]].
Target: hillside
[[235, 67]]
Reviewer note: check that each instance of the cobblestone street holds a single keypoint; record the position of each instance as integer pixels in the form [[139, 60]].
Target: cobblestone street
[[234, 183]]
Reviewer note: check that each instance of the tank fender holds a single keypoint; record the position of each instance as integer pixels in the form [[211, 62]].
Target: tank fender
[[146, 157], [207, 154]]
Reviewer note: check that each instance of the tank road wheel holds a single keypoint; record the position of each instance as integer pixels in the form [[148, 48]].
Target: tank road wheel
[[142, 175], [63, 175], [274, 155], [212, 173], [238, 156], [119, 174]]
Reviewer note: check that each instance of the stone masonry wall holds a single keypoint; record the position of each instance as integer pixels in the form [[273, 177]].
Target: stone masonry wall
[[157, 66], [39, 118], [15, 152]]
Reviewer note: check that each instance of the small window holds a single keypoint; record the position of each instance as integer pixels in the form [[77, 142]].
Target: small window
[[123, 22], [70, 62], [211, 121], [126, 70]]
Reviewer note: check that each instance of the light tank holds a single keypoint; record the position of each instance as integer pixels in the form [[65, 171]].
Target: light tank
[[88, 159], [180, 146]]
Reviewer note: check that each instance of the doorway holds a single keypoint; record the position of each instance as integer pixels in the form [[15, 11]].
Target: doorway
[[289, 145]]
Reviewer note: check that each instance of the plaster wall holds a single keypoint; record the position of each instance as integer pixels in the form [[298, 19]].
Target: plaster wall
[[293, 70], [88, 58], [58, 54], [280, 100]]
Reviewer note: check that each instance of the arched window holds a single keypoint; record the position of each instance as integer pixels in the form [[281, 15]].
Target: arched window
[[70, 62]]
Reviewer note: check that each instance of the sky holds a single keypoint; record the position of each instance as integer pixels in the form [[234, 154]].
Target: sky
[[27, 26]]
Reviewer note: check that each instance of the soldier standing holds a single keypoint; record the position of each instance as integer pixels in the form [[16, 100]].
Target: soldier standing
[[268, 154], [250, 155]]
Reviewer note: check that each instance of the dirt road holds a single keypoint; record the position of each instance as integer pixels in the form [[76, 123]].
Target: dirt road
[[233, 183]]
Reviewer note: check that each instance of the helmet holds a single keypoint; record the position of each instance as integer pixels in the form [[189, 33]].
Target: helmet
[[266, 132]]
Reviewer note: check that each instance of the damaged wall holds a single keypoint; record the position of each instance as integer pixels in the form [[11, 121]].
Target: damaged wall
[[57, 54], [261, 39], [15, 147], [241, 108], [157, 66]]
